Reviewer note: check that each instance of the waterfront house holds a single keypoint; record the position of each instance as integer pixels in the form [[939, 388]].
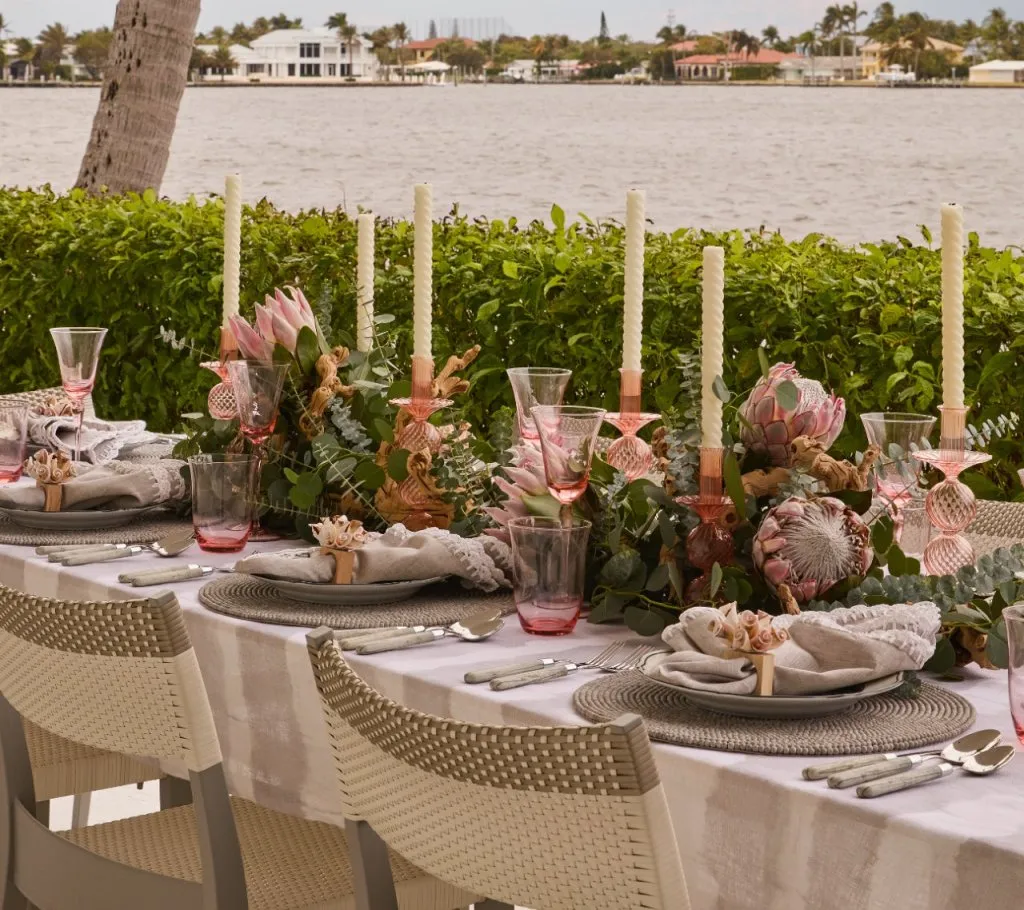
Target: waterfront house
[[716, 67], [998, 72], [821, 70], [873, 54], [302, 55], [425, 50], [528, 70]]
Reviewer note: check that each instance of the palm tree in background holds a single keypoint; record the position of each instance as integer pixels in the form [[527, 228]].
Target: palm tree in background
[[52, 41], [831, 25], [199, 61], [996, 33], [218, 34], [349, 34], [223, 59], [771, 36], [852, 14], [337, 20], [401, 32], [25, 52]]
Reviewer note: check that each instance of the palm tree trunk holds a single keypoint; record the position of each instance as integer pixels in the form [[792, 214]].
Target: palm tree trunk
[[142, 89]]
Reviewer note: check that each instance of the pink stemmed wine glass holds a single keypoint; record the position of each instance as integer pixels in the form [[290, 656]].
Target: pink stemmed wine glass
[[78, 350], [1013, 616], [568, 435], [257, 385]]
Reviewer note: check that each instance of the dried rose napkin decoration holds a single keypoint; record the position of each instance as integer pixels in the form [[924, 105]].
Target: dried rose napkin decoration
[[50, 470], [339, 537], [750, 635]]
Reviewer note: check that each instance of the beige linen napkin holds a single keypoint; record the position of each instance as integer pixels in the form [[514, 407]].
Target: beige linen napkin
[[112, 486], [102, 440], [825, 651], [397, 555]]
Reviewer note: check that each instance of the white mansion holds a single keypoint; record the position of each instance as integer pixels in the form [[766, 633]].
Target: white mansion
[[300, 54]]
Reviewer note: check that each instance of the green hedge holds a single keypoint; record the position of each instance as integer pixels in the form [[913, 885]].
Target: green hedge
[[864, 320]]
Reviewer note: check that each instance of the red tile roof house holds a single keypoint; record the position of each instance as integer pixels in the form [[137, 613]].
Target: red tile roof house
[[424, 50], [712, 67]]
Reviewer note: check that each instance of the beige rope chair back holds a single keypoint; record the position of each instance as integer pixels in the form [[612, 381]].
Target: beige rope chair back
[[553, 818], [118, 676]]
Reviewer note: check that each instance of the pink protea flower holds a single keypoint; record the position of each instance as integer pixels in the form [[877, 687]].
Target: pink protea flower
[[524, 478], [278, 321], [811, 545], [770, 428]]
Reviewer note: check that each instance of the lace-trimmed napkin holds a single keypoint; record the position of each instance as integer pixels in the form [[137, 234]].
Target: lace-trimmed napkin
[[397, 555], [113, 486], [102, 440], [825, 651]]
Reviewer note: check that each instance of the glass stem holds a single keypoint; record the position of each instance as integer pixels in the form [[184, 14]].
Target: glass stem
[[79, 414]]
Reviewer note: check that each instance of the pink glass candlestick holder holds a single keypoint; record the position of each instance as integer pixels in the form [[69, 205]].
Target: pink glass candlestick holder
[[221, 401], [417, 433], [710, 542], [630, 454], [950, 504]]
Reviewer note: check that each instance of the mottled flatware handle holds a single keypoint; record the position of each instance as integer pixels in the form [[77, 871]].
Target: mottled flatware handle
[[504, 683], [87, 559], [820, 772], [904, 781], [482, 676], [378, 646], [69, 548], [846, 779], [162, 576], [354, 640]]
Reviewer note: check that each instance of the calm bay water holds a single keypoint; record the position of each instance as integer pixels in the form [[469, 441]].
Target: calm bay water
[[860, 164]]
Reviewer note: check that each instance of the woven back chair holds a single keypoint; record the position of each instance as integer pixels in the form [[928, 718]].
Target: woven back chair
[[552, 818], [123, 677]]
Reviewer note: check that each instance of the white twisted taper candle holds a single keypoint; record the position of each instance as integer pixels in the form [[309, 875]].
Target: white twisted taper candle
[[633, 303], [953, 306], [423, 265], [232, 245], [364, 284], [712, 345]]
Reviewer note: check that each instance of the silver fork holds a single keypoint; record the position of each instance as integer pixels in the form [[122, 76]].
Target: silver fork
[[605, 662], [540, 663]]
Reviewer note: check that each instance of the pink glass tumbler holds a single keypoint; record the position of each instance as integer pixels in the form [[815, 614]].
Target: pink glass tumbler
[[548, 565], [13, 432], [222, 503], [1014, 619]]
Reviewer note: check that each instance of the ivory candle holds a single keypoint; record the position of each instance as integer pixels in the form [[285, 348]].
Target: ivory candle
[[364, 284], [633, 317], [232, 245], [953, 306], [712, 345], [423, 265]]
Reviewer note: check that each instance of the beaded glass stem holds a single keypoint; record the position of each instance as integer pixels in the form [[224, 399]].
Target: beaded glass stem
[[709, 542], [417, 434], [630, 454], [950, 504], [221, 400]]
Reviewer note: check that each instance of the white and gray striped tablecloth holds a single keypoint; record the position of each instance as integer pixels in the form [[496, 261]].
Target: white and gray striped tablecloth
[[752, 833]]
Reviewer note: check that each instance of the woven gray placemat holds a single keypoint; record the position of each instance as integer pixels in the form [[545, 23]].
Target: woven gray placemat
[[885, 723], [245, 597], [144, 530]]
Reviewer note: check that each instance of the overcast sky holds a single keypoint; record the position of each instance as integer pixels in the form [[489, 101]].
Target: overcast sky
[[579, 18]]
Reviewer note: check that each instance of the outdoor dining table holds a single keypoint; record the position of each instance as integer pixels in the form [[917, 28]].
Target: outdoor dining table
[[751, 832]]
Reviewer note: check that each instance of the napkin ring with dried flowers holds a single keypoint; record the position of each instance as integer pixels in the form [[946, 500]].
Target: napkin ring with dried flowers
[[55, 406], [752, 636], [51, 470], [338, 537]]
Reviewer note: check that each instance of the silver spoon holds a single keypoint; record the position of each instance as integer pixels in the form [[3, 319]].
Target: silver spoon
[[477, 627], [980, 765], [351, 639], [964, 746], [166, 547]]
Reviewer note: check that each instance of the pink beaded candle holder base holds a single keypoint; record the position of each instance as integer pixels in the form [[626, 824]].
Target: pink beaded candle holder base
[[221, 400], [630, 454], [950, 504], [710, 542], [417, 434]]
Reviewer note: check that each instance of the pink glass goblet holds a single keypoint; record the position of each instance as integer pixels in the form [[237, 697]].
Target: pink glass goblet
[[78, 351], [568, 435], [534, 386], [1014, 618], [897, 435], [257, 385]]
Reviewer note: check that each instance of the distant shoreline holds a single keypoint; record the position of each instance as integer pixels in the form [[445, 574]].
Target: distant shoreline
[[758, 83]]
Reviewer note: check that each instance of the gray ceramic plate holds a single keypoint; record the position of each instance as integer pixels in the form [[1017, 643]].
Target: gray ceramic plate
[[776, 707], [86, 520], [384, 592]]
